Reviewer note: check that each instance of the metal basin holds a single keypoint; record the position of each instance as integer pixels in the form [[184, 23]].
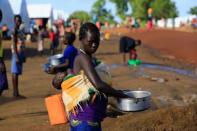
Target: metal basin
[[56, 60], [139, 102]]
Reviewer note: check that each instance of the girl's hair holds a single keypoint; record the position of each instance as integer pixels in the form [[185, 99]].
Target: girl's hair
[[88, 27], [70, 37], [19, 18]]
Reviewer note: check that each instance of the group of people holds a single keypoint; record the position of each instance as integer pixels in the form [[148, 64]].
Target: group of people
[[89, 116], [40, 33]]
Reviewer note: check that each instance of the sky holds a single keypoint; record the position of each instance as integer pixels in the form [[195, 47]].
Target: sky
[[70, 6]]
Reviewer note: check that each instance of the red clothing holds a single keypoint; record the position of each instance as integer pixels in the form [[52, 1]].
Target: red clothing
[[52, 36], [149, 25], [98, 25], [133, 54], [194, 21]]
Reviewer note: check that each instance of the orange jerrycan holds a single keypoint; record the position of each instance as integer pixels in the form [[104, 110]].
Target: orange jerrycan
[[56, 109]]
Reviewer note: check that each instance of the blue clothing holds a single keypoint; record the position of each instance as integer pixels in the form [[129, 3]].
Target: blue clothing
[[76, 125], [16, 68], [70, 53], [3, 78], [3, 81]]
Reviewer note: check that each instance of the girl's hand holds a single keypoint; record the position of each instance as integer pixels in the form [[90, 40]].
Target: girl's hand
[[123, 95]]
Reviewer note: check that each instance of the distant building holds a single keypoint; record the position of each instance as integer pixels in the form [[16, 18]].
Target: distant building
[[41, 14], [176, 22]]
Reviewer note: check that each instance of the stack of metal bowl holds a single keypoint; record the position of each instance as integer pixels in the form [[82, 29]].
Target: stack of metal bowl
[[53, 61], [56, 60], [140, 100]]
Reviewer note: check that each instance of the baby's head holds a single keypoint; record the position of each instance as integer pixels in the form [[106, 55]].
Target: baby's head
[[89, 36], [58, 79], [69, 38]]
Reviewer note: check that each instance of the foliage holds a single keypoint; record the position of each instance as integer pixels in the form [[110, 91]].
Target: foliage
[[139, 8], [164, 9], [82, 15], [193, 10], [161, 8], [121, 7], [98, 7], [101, 13]]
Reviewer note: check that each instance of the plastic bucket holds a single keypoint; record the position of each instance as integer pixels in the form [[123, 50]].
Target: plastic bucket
[[56, 110], [134, 62], [107, 36]]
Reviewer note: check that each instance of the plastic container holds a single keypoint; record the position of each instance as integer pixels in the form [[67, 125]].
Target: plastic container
[[134, 62], [56, 110], [107, 36]]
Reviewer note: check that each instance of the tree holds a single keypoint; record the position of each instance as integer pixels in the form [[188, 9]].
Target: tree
[[121, 7], [139, 8], [101, 13], [82, 15], [161, 8], [97, 8], [193, 10], [164, 9]]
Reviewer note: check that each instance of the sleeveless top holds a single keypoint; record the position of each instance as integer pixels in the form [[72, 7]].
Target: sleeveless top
[[21, 40], [92, 111]]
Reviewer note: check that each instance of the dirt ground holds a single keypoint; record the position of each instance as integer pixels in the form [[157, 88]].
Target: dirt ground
[[173, 102]]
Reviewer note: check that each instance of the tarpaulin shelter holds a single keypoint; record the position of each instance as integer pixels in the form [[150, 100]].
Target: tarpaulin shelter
[[42, 14], [19, 7], [7, 14]]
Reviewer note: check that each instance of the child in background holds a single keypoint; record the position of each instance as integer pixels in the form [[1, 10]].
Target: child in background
[[89, 116], [70, 52], [3, 76], [18, 56], [52, 41], [40, 40]]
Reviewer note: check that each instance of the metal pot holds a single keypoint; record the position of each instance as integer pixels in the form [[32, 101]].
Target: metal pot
[[56, 60], [139, 102]]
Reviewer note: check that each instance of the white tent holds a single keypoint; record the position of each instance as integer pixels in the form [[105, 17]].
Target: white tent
[[60, 14], [8, 14], [41, 11], [19, 7], [177, 21]]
